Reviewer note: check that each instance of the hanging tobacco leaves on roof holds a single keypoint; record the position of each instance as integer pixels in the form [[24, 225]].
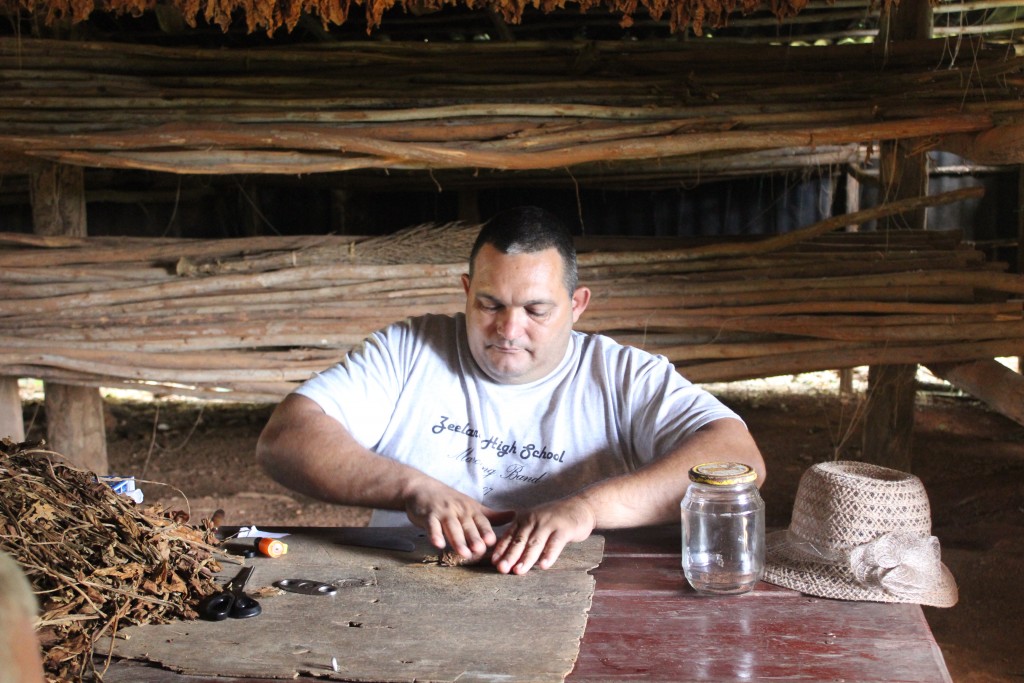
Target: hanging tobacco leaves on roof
[[270, 15], [96, 561]]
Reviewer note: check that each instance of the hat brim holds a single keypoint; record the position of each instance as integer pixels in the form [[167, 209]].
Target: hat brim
[[786, 566]]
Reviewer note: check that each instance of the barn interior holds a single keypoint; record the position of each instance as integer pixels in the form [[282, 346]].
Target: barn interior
[[212, 201]]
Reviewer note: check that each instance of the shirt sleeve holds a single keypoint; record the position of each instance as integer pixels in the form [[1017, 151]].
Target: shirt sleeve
[[664, 407], [358, 390]]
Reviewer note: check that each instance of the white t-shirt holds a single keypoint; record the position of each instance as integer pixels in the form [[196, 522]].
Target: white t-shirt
[[413, 392]]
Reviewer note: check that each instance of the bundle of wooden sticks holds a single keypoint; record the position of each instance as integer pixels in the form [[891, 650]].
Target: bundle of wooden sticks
[[247, 319], [607, 110]]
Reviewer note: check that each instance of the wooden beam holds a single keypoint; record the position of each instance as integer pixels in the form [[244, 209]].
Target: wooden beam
[[889, 411], [1002, 145], [907, 20], [990, 381]]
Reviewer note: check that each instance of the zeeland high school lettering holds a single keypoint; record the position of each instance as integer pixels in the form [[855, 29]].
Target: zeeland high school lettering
[[500, 448]]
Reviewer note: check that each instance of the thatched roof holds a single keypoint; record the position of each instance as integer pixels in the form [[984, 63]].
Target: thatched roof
[[270, 15]]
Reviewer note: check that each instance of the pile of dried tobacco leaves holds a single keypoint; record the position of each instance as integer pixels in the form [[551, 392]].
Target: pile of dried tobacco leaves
[[96, 560]]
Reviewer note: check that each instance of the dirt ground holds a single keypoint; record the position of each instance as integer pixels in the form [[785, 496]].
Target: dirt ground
[[200, 456]]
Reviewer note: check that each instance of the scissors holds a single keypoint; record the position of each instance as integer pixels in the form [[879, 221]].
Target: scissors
[[231, 601]]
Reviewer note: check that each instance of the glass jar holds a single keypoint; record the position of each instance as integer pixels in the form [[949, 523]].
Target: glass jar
[[722, 518]]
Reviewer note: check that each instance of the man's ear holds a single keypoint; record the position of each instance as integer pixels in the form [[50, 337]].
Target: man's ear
[[465, 283], [580, 299]]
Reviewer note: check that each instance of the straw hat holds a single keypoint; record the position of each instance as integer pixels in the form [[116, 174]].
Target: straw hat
[[860, 532]]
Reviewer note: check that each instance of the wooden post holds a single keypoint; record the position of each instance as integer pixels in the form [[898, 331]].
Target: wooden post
[[250, 194], [889, 412], [339, 211], [74, 415], [469, 207], [889, 416], [1020, 220], [1020, 240], [12, 424], [852, 206], [908, 20]]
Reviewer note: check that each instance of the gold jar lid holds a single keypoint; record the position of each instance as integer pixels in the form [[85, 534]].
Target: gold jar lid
[[722, 473]]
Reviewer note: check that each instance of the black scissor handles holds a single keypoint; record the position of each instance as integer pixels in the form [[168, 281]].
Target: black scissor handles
[[231, 602]]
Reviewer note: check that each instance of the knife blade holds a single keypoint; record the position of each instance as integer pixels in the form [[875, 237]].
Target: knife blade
[[368, 537]]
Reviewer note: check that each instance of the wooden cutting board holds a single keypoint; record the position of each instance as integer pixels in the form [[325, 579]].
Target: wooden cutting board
[[393, 618]]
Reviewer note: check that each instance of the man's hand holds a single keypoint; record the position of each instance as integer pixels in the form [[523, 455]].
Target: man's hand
[[452, 518], [536, 537], [649, 495], [308, 451]]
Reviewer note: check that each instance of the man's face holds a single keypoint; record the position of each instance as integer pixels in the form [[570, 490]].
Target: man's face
[[519, 314]]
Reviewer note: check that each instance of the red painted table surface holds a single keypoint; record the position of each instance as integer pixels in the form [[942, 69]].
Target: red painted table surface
[[647, 624]]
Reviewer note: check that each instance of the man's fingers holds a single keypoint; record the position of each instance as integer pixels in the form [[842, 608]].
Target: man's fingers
[[456, 536], [507, 549], [552, 551], [540, 551], [518, 549], [469, 537], [485, 521], [435, 533], [452, 519], [500, 547], [532, 549], [526, 545], [478, 535]]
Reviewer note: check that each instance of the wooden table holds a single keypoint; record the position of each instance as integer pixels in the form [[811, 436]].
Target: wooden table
[[645, 623]]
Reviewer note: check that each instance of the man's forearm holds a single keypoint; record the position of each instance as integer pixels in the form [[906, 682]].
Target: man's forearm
[[651, 495], [305, 450]]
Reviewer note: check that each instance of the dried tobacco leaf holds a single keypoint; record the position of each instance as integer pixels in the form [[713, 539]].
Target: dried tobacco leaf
[[450, 558], [270, 15], [98, 561]]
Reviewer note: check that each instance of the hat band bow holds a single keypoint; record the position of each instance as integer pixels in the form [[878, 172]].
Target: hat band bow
[[902, 564]]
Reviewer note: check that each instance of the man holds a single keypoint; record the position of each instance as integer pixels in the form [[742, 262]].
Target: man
[[503, 415], [20, 659]]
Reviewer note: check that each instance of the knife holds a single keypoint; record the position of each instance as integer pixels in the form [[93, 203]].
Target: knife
[[367, 537], [397, 538]]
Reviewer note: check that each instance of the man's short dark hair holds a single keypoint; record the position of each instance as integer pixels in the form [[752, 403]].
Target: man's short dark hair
[[527, 230]]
